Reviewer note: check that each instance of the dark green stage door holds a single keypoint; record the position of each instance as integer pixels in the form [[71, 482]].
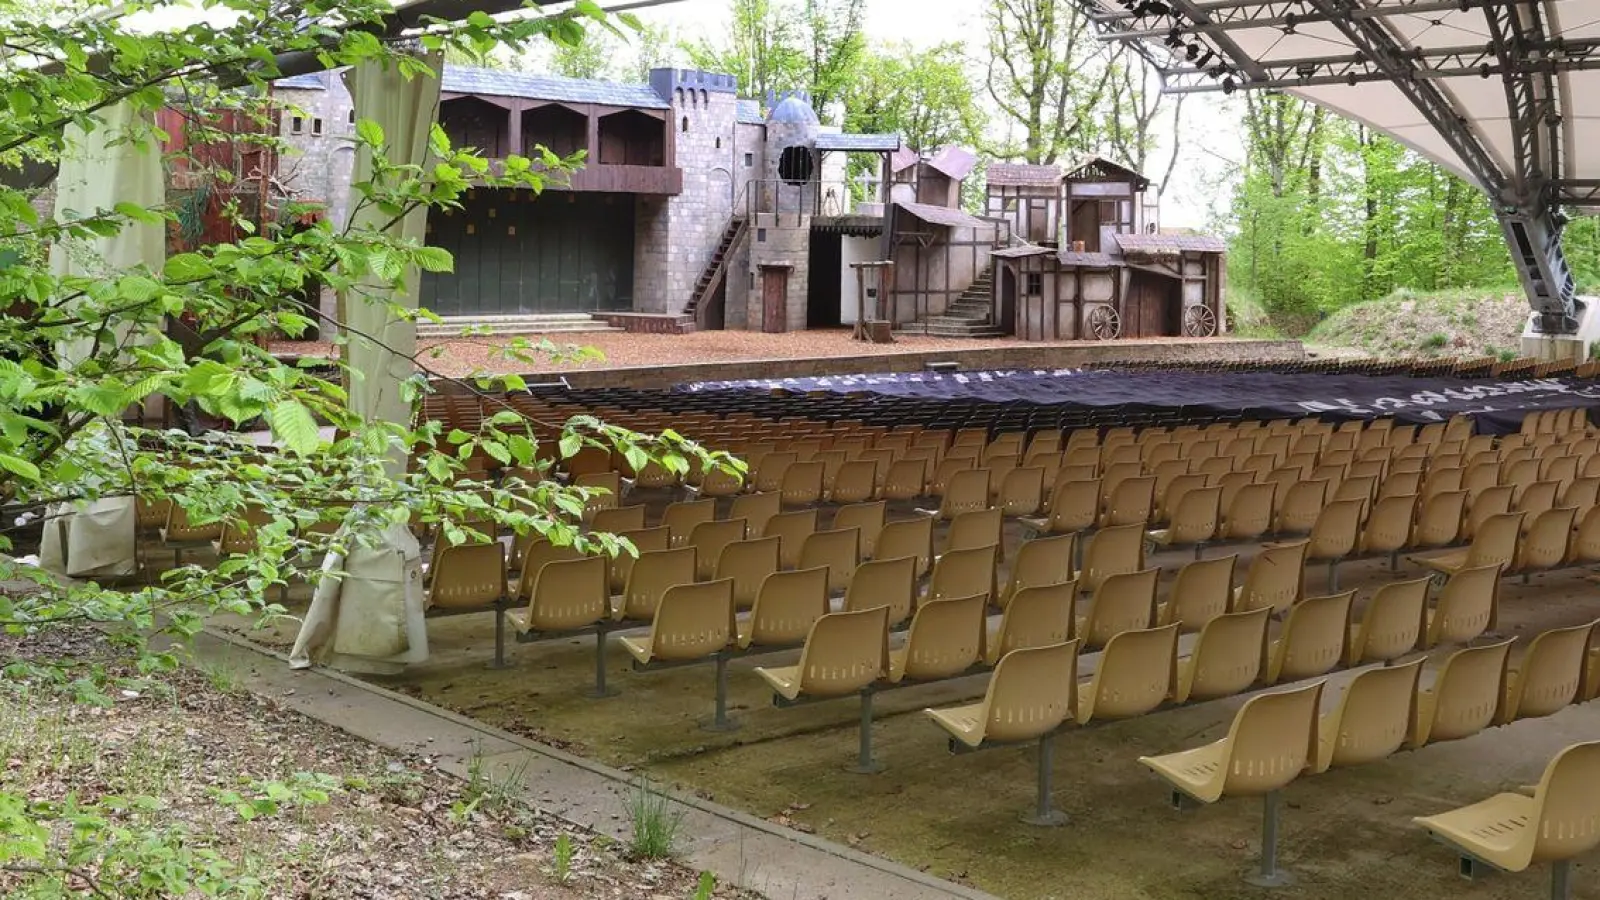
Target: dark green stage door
[[559, 252]]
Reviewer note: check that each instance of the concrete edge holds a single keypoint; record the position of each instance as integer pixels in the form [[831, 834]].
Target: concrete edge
[[744, 820]]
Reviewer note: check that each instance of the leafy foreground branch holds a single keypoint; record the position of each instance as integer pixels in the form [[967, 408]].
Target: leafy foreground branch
[[186, 786]]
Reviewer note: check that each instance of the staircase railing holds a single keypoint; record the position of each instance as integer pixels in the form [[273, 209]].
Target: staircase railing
[[740, 227]]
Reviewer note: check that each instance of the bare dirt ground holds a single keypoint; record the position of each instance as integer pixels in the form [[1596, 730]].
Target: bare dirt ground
[[619, 349], [392, 826], [1346, 834]]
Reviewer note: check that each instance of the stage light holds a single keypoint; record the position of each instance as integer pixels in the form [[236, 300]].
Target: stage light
[[1193, 51], [1217, 71], [1174, 38], [1228, 85], [1207, 58], [1288, 23], [1306, 70]]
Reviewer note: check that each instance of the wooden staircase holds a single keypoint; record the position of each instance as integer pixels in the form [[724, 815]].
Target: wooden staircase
[[715, 274], [969, 316]]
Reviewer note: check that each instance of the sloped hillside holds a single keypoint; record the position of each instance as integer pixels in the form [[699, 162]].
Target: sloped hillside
[[1409, 324]]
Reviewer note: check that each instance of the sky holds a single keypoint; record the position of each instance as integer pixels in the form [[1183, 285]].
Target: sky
[[1209, 147]]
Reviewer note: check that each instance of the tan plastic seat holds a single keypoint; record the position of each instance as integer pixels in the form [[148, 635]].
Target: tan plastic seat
[[1194, 521], [747, 564], [1134, 675], [1020, 491], [1494, 544], [180, 533], [979, 528], [644, 540], [946, 474], [467, 577], [1536, 498], [1439, 521], [1582, 493], [1130, 502], [1276, 578], [681, 518], [717, 482], [1513, 831], [619, 518], [756, 510], [693, 621], [1468, 606], [1123, 602], [838, 551], [946, 639], [868, 517], [1372, 720], [766, 474], [1584, 548], [1465, 695], [567, 596], [1041, 561], [910, 537], [1037, 615], [888, 582], [1391, 625], [652, 575], [855, 481], [1545, 544], [1388, 528], [1248, 515], [1226, 659], [1302, 503], [1074, 506], [1312, 641], [1334, 535], [1494, 501], [801, 485], [1169, 490], [604, 490], [1545, 680], [1112, 551], [786, 606], [904, 479], [962, 573], [792, 529], [1200, 593], [708, 539]]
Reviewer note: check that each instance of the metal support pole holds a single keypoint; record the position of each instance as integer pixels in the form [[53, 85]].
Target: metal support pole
[[865, 764], [1269, 875], [600, 689], [1333, 576], [1561, 880], [721, 722], [1043, 815], [1394, 560], [499, 636]]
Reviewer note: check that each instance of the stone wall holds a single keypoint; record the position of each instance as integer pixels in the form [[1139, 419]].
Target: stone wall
[[704, 112], [319, 166], [780, 242], [652, 253]]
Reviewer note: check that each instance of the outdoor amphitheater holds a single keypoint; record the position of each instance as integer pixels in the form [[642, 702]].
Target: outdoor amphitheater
[[1303, 619]]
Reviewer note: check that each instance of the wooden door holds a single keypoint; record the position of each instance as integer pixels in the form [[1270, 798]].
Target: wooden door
[[774, 299]]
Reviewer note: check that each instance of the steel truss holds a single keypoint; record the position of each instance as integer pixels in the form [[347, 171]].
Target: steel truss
[[1521, 54]]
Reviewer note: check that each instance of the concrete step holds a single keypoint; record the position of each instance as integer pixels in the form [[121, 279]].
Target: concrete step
[[555, 323], [941, 331]]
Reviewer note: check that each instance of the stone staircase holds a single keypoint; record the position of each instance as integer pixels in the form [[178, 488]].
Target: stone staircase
[[507, 325], [968, 317], [715, 273]]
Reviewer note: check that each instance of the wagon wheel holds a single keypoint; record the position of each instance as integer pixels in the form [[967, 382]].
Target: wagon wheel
[[1104, 323], [1199, 321]]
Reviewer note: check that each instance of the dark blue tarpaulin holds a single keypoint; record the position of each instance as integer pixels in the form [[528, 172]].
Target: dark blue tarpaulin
[[1498, 406]]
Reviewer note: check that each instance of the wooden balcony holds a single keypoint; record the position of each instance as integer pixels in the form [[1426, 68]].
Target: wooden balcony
[[612, 179]]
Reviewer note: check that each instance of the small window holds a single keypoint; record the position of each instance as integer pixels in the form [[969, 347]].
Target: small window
[[1035, 284], [719, 143], [316, 127], [352, 118], [705, 98], [685, 124], [761, 235], [297, 125], [749, 160], [795, 165]]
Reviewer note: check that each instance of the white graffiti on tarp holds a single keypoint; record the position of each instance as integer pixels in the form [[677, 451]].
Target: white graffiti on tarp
[[1474, 393]]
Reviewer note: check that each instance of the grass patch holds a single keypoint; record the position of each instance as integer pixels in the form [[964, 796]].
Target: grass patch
[[655, 821]]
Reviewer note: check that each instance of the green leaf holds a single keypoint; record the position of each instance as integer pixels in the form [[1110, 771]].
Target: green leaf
[[385, 264], [571, 444], [294, 427], [369, 132], [187, 267], [435, 259], [19, 466]]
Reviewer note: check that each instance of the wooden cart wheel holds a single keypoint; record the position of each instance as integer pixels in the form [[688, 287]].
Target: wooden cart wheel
[[1104, 323], [1199, 321]]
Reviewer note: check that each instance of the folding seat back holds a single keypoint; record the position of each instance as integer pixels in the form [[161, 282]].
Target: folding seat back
[[602, 488], [868, 517], [1157, 454], [1168, 472], [716, 481], [1388, 526], [946, 639], [1519, 469], [963, 573], [619, 518], [838, 551], [536, 553], [1465, 695], [1112, 476], [1112, 551], [1581, 493], [1468, 606], [890, 582], [1301, 503], [1545, 545], [1041, 561], [1123, 602], [1037, 616], [643, 540], [681, 519], [1082, 456], [1248, 515], [1372, 720], [468, 576], [589, 460], [1007, 443], [181, 529], [708, 539], [1563, 823], [1268, 745], [756, 510], [767, 474], [1275, 579], [908, 537], [1074, 506], [1200, 593], [569, 595], [1561, 469], [1123, 454], [1357, 487], [1439, 521], [652, 575], [1335, 531], [1545, 681], [832, 459], [1391, 625], [693, 621], [1313, 639], [1169, 495], [1480, 476], [1441, 479], [966, 491], [947, 471], [241, 535], [1195, 518], [747, 564], [1535, 498], [791, 528], [970, 437], [1045, 442], [903, 479], [1202, 450], [801, 484], [1226, 659], [787, 605], [1585, 546], [1134, 675], [998, 468], [978, 528], [1021, 491], [1130, 502], [1495, 542], [1033, 690]]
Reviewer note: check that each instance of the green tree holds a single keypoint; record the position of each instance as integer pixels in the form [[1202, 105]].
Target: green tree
[[1046, 76], [592, 56], [835, 46], [926, 96], [764, 48]]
